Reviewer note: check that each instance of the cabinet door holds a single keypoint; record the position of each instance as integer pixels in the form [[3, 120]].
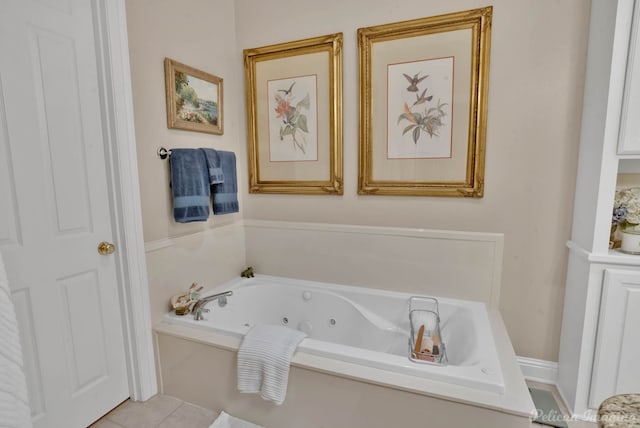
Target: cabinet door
[[616, 368], [629, 138]]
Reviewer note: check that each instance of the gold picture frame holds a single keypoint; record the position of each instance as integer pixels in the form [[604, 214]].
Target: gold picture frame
[[194, 98], [419, 136], [294, 116]]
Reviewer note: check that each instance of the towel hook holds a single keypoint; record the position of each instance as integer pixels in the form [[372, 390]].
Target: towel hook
[[163, 153]]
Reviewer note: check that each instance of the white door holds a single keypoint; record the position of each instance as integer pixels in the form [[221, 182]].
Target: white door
[[54, 211]]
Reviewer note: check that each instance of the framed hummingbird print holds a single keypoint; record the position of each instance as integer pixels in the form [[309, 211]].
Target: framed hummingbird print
[[423, 105], [294, 116]]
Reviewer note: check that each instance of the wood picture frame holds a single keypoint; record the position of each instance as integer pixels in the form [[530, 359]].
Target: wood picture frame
[[194, 98], [423, 105], [294, 116]]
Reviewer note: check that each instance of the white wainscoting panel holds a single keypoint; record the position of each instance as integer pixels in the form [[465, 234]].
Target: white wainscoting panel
[[209, 258], [463, 265]]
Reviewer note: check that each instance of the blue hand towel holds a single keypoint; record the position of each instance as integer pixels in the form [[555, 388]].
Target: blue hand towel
[[190, 185], [213, 164], [225, 195]]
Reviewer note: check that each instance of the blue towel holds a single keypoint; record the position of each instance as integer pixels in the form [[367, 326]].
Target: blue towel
[[225, 195], [190, 185], [213, 164]]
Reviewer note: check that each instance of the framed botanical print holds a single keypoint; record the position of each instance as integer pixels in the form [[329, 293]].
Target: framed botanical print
[[294, 116], [423, 105]]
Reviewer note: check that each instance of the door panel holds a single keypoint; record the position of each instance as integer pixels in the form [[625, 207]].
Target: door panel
[[58, 95], [53, 177], [615, 367], [10, 227], [84, 332], [61, 5], [22, 302]]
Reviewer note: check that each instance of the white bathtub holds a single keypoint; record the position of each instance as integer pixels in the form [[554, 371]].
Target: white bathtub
[[359, 325]]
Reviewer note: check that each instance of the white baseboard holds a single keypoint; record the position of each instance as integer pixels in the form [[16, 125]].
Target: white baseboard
[[539, 370]]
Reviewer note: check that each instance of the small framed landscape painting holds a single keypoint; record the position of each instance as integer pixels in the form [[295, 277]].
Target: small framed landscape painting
[[294, 116], [423, 105], [194, 98]]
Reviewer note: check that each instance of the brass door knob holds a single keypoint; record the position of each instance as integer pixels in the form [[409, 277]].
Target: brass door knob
[[106, 248]]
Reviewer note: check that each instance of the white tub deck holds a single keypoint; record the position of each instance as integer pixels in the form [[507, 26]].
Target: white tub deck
[[359, 325], [489, 378]]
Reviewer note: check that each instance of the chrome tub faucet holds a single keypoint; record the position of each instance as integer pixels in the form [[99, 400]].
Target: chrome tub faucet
[[198, 307]]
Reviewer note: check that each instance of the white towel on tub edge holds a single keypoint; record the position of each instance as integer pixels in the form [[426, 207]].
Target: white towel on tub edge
[[264, 359]]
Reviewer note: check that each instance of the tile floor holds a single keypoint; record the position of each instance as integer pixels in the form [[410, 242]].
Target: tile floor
[[163, 411]]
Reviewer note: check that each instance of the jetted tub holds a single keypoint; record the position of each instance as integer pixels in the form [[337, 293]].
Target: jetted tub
[[365, 326]]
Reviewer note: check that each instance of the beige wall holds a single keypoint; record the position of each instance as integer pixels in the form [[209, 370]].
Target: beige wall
[[535, 97], [200, 33]]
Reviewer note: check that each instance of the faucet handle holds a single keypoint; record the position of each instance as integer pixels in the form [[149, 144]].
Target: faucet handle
[[197, 313]]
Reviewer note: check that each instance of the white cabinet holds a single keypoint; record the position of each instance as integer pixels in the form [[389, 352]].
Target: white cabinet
[[616, 367], [600, 340], [629, 137]]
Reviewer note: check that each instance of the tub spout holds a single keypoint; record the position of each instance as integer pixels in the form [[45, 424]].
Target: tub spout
[[198, 307]]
